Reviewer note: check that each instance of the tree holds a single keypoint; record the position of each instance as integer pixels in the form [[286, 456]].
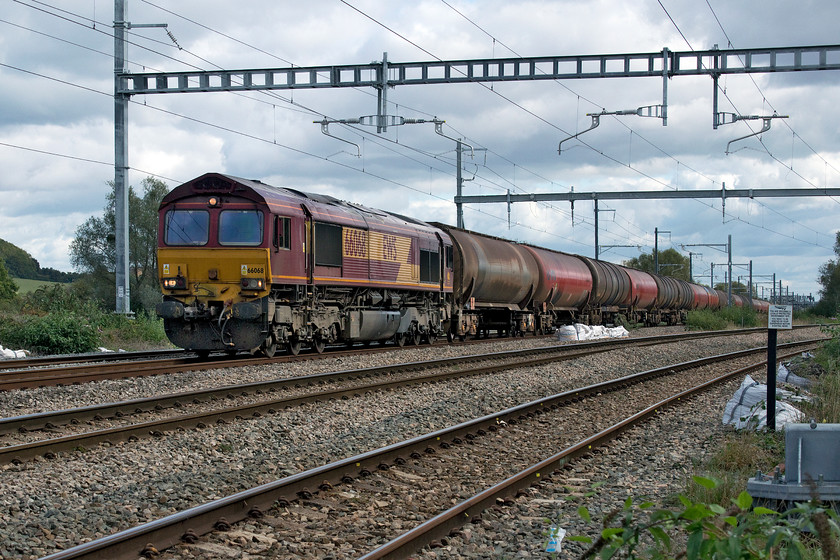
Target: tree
[[93, 251], [671, 263], [7, 285], [829, 279], [738, 288]]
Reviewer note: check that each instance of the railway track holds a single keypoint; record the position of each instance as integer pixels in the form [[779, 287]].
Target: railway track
[[42, 372], [202, 408], [362, 504]]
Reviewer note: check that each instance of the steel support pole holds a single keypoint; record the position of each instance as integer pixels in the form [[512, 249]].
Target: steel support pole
[[596, 229], [656, 250], [749, 288], [665, 59], [729, 268], [459, 207], [123, 299], [771, 379]]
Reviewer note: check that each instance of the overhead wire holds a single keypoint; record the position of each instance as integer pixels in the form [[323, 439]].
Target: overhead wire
[[284, 100], [762, 144]]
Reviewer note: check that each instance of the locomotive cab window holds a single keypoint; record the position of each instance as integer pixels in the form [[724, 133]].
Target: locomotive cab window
[[186, 227], [282, 233], [429, 266], [240, 227]]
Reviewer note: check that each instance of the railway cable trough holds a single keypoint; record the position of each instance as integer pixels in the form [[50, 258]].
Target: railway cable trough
[[190, 468]]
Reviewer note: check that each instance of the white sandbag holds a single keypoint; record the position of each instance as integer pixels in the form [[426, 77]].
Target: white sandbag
[[579, 331], [748, 407], [566, 333], [8, 354], [785, 376]]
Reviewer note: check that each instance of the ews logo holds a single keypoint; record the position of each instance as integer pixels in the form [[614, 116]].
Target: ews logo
[[389, 248]]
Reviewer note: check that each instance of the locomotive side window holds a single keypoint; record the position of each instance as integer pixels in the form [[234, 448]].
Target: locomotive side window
[[240, 227], [327, 245], [187, 227], [429, 266], [282, 233]]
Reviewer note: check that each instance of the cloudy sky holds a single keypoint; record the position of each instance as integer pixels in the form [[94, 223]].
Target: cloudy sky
[[56, 120]]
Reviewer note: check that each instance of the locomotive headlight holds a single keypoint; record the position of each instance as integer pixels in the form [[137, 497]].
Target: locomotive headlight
[[252, 283], [213, 202], [177, 283]]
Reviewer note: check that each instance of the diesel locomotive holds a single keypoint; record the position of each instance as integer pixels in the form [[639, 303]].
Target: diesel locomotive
[[247, 266]]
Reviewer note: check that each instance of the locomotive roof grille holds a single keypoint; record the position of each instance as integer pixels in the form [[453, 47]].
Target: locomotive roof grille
[[214, 184]]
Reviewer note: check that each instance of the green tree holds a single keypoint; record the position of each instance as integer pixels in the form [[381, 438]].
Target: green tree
[[93, 252], [829, 279], [8, 288], [738, 288], [671, 263]]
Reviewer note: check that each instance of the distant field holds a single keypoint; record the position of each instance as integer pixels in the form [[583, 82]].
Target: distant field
[[25, 286]]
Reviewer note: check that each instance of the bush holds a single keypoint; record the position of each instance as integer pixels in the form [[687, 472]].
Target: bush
[[56, 333], [740, 532], [705, 320]]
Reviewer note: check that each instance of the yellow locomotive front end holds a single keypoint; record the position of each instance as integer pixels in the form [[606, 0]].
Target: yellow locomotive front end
[[215, 275]]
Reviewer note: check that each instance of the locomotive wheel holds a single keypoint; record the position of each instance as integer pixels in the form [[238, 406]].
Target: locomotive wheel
[[414, 337], [203, 354], [318, 345], [269, 347], [294, 346], [431, 337], [399, 339]]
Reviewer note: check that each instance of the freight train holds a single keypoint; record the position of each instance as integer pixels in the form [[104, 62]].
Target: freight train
[[246, 266]]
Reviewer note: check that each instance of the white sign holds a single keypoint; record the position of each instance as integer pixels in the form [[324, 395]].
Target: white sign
[[780, 317]]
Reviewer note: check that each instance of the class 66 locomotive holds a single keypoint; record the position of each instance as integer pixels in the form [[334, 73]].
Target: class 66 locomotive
[[244, 266]]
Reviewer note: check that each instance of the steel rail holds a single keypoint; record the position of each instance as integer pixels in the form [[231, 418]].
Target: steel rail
[[38, 361], [219, 514], [42, 377], [50, 419]]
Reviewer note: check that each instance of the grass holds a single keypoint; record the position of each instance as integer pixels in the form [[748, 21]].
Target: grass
[[26, 286], [744, 452]]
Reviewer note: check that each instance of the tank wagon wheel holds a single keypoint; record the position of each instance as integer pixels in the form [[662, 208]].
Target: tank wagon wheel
[[318, 344], [203, 354], [293, 346]]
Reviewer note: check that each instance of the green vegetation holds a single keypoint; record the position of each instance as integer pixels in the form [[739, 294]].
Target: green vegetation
[[701, 531], [671, 263], [25, 285], [8, 287], [46, 314], [20, 264], [829, 279], [725, 318], [64, 319], [93, 251]]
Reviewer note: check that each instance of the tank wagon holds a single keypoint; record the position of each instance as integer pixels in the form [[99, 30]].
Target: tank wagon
[[247, 266]]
